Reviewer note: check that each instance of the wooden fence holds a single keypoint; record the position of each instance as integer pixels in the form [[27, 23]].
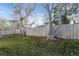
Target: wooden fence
[[6, 32], [40, 31], [69, 31], [43, 31]]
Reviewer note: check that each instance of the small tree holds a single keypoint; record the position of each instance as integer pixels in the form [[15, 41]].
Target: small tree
[[22, 13]]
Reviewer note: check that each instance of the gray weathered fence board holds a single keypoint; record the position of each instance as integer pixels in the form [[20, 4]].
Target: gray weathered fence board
[[69, 31]]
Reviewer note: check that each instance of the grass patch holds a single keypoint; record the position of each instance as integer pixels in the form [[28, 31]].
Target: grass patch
[[18, 45]]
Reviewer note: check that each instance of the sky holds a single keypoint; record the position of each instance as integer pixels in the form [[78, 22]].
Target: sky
[[6, 12]]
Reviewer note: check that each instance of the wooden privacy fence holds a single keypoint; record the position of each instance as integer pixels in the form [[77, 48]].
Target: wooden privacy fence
[[69, 31], [6, 32], [40, 31], [43, 31]]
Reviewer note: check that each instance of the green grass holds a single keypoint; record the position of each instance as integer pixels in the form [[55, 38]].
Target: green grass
[[18, 45]]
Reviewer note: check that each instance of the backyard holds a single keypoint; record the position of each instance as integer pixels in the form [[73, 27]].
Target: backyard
[[18, 45]]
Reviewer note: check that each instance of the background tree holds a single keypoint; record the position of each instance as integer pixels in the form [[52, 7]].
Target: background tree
[[64, 20], [65, 11]]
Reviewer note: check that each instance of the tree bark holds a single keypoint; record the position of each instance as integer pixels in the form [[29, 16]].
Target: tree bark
[[59, 29]]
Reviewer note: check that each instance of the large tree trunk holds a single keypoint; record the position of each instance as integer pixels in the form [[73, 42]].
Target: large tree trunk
[[51, 29], [59, 29]]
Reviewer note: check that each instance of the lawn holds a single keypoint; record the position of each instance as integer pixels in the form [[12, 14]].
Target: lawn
[[18, 45]]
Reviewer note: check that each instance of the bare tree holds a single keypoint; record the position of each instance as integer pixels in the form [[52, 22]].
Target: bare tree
[[22, 13]]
